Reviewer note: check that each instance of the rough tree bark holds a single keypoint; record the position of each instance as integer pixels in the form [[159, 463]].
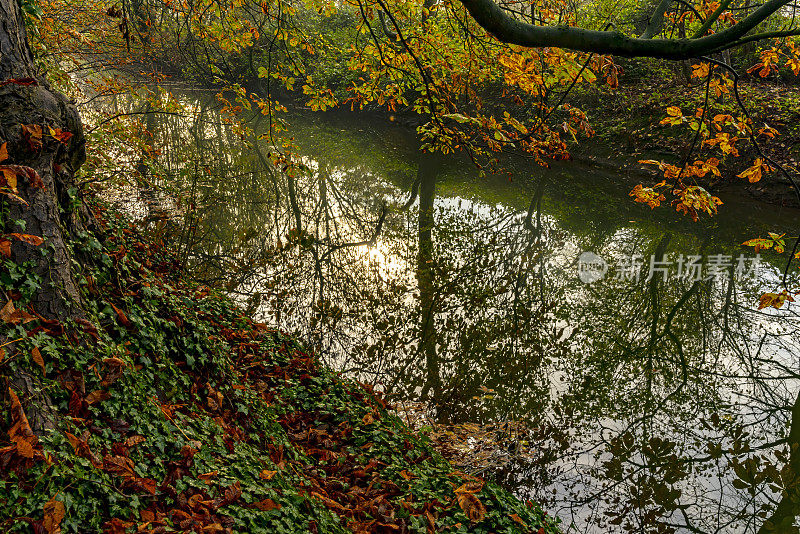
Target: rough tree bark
[[50, 211]]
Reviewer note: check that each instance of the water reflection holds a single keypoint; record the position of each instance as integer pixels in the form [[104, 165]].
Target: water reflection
[[655, 405]]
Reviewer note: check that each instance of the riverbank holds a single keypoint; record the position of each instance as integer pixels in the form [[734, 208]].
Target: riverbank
[[169, 410], [627, 122], [627, 119]]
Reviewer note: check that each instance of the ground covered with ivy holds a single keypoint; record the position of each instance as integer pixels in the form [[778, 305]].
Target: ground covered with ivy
[[167, 410]]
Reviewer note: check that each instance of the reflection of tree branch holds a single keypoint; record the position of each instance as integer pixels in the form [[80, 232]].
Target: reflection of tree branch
[[369, 242], [118, 115]]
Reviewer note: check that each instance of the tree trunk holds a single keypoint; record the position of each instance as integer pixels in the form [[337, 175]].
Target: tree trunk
[[426, 174], [51, 212]]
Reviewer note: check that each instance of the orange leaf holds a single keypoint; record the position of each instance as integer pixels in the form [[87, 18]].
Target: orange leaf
[[34, 240], [60, 135], [134, 440], [774, 300], [37, 357], [266, 505], [10, 177], [473, 508], [518, 519], [24, 448], [471, 486], [9, 314], [123, 319], [53, 515], [3, 152], [208, 476], [266, 474]]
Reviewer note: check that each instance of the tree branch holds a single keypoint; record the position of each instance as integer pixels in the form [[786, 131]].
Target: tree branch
[[507, 29], [656, 20]]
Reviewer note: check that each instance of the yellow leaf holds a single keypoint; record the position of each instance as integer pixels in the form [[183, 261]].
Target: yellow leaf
[[774, 300]]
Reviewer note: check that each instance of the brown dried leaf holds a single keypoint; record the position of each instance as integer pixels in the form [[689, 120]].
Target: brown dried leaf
[[96, 396], [208, 476], [266, 505], [473, 508], [24, 448], [9, 177], [53, 515], [33, 133], [471, 486], [37, 357], [123, 319], [266, 474], [10, 314], [517, 519], [134, 440], [34, 240]]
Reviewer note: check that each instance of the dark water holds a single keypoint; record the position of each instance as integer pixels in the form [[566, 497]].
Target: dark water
[[650, 403]]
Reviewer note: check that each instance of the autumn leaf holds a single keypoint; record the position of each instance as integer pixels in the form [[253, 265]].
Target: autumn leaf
[[754, 173], [759, 243], [119, 465], [123, 319], [774, 300], [134, 440], [675, 116], [266, 474], [693, 200], [33, 133], [25, 82], [368, 419], [53, 515], [647, 195], [60, 135], [471, 486], [9, 178], [3, 152], [700, 71], [10, 314], [37, 358], [97, 396], [206, 477], [266, 505], [34, 240], [517, 519], [20, 432], [473, 508], [10, 173]]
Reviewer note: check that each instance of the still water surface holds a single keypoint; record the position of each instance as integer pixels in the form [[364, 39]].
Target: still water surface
[[645, 403]]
